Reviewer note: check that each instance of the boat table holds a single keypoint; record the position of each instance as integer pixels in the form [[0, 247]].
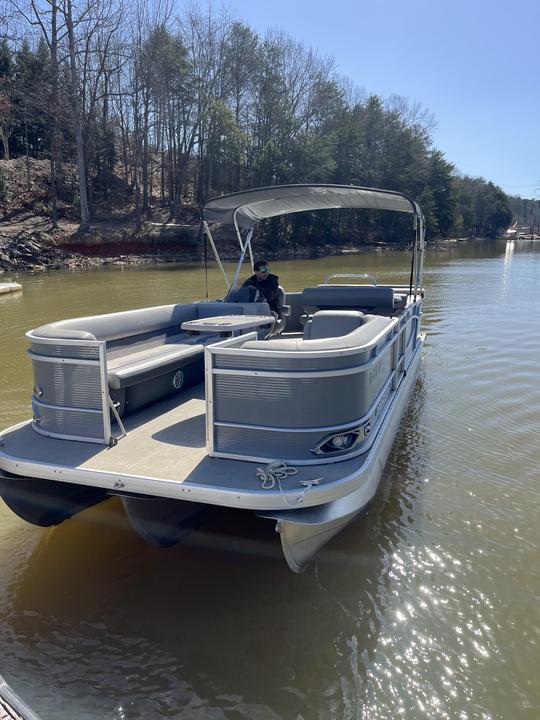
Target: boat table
[[227, 325]]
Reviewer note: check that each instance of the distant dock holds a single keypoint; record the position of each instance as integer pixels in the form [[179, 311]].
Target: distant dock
[[9, 287]]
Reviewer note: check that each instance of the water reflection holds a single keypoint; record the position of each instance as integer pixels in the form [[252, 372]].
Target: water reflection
[[509, 252], [218, 622], [425, 607]]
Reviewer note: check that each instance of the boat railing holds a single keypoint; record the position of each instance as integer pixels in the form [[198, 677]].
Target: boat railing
[[350, 275], [91, 371], [70, 397]]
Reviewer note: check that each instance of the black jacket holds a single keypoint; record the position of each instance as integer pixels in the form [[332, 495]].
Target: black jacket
[[268, 288]]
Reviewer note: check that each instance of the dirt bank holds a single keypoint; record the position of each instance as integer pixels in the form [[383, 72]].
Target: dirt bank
[[35, 247], [33, 250]]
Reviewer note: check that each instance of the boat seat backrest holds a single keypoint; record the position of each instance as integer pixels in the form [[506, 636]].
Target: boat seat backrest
[[327, 297], [238, 295], [114, 326], [213, 309], [371, 327], [332, 323], [154, 321]]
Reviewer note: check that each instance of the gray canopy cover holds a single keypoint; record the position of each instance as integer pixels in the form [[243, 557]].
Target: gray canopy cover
[[252, 206]]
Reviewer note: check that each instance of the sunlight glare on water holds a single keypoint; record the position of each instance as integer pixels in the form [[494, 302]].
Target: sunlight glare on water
[[425, 607]]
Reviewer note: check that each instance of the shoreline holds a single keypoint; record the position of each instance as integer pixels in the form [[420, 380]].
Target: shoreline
[[42, 250]]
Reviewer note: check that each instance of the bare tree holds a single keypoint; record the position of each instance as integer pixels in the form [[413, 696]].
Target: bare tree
[[44, 15], [413, 113]]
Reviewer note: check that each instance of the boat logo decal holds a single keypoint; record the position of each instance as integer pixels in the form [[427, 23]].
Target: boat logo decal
[[178, 380]]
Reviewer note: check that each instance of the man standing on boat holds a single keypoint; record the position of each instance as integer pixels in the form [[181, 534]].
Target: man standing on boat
[[266, 284]]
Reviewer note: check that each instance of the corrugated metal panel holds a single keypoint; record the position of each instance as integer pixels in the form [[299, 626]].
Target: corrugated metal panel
[[69, 422], [264, 443], [298, 402], [241, 361], [67, 384], [65, 351], [293, 446]]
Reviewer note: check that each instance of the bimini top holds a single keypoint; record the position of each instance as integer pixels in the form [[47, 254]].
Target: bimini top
[[251, 206]]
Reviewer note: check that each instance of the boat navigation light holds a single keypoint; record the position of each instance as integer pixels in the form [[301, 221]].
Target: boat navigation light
[[340, 442]]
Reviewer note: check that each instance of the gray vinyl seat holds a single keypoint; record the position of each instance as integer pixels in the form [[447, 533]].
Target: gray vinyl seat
[[371, 298], [332, 323], [285, 312], [146, 364], [144, 357], [285, 309], [121, 328], [242, 295], [146, 348], [371, 327]]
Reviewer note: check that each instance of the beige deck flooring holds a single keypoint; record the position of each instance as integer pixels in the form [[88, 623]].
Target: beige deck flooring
[[163, 442], [166, 441]]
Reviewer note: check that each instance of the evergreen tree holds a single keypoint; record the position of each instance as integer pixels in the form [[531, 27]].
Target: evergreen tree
[[188, 107]]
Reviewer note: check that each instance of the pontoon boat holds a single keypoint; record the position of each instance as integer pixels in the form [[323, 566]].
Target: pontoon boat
[[219, 403]]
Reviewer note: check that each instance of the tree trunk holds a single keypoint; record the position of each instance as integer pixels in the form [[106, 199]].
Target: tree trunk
[[27, 159], [54, 114], [76, 110], [145, 153], [125, 154], [137, 152], [104, 123], [5, 142]]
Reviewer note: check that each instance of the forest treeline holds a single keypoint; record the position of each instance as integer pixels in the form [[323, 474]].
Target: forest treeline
[[173, 105]]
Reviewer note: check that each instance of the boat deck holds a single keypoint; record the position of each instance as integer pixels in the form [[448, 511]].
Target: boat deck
[[164, 453]]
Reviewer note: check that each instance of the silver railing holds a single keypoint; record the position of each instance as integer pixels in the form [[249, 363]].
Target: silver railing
[[235, 376], [350, 275], [71, 398]]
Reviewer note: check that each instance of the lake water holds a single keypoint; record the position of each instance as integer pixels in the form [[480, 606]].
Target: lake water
[[426, 607]]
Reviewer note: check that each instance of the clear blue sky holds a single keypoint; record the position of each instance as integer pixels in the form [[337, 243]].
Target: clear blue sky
[[474, 63]]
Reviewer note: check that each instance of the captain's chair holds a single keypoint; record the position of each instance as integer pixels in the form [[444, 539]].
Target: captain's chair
[[285, 311], [247, 295]]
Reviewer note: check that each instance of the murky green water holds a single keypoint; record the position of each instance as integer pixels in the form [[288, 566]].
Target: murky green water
[[427, 607]]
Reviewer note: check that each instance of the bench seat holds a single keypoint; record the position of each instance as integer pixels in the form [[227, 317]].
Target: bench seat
[[148, 356], [371, 327], [376, 299], [144, 365]]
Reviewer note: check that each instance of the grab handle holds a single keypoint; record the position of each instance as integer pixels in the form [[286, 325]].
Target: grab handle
[[350, 275]]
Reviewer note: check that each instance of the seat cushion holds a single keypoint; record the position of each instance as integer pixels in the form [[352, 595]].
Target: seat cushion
[[115, 326], [145, 364], [332, 323], [371, 328], [327, 297]]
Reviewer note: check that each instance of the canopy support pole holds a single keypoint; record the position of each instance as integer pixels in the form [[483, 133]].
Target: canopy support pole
[[418, 256], [421, 246], [216, 254], [239, 236], [415, 253], [242, 256]]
